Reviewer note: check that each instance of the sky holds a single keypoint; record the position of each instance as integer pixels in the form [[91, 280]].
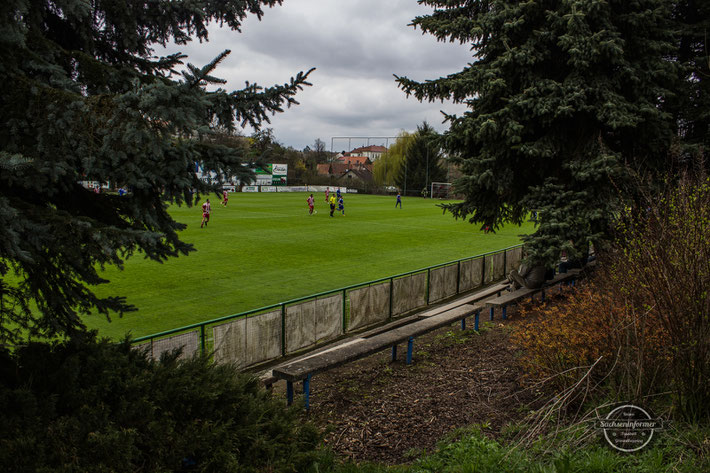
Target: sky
[[356, 46]]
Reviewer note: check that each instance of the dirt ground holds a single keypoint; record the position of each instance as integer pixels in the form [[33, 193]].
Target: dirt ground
[[387, 412]]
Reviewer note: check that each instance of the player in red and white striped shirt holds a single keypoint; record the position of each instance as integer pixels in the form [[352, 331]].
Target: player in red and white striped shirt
[[206, 209], [311, 204]]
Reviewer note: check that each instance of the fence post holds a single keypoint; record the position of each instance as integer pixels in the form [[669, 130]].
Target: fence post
[[483, 270], [391, 295], [428, 277], [283, 329], [202, 339]]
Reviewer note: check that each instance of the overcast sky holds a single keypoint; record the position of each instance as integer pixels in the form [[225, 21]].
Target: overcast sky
[[355, 46]]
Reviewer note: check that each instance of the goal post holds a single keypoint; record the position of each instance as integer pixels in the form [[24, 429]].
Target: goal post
[[440, 190]]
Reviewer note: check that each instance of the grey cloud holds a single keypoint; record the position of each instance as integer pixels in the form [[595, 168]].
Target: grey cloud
[[356, 46]]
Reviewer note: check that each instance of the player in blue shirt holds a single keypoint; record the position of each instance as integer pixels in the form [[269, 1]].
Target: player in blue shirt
[[399, 201], [341, 205]]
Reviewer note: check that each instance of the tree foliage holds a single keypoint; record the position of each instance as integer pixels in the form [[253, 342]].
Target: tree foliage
[[421, 164], [385, 169], [644, 323], [85, 99], [563, 98], [88, 406]]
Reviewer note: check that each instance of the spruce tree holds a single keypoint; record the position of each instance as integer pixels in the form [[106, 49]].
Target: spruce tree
[[85, 99], [690, 105], [563, 97], [421, 162]]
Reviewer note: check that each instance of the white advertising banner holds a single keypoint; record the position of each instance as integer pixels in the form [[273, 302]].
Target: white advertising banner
[[293, 189], [279, 169], [263, 180], [250, 189]]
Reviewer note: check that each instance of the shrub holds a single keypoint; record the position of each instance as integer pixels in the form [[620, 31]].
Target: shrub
[[662, 268], [646, 318], [594, 327], [85, 406]]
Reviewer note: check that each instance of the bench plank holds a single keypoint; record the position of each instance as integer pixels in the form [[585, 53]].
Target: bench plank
[[523, 292], [300, 369]]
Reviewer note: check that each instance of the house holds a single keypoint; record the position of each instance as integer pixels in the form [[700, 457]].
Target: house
[[355, 161], [337, 169], [354, 177], [373, 152]]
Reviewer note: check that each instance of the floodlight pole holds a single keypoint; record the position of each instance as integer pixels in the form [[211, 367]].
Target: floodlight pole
[[426, 182]]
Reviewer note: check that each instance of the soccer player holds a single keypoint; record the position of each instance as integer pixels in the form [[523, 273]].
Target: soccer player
[[327, 194], [341, 205], [206, 208], [225, 197], [311, 204], [338, 192], [332, 204], [399, 201]]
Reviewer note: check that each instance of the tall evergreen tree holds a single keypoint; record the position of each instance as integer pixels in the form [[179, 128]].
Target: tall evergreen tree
[[562, 96], [421, 162], [85, 99], [690, 105]]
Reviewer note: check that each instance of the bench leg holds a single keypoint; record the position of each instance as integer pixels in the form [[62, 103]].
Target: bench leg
[[394, 352], [504, 312], [289, 392], [307, 391], [492, 312], [410, 347], [463, 324], [476, 316]]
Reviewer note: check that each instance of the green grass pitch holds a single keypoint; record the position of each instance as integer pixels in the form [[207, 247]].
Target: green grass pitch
[[264, 249]]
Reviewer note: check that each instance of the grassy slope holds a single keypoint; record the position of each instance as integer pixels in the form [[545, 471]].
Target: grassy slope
[[265, 248]]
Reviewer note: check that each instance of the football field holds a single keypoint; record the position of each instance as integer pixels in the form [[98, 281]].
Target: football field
[[264, 249]]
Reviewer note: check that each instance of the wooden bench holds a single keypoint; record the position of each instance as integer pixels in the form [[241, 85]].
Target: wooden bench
[[377, 340], [513, 297]]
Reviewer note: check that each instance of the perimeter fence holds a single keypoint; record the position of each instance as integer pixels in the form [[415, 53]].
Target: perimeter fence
[[268, 333]]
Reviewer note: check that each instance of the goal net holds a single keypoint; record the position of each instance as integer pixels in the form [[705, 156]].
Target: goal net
[[441, 190]]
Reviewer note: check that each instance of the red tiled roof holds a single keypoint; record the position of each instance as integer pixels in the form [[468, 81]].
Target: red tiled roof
[[354, 160], [338, 169], [371, 148]]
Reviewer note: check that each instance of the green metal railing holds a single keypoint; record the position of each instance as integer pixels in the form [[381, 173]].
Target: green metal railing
[[206, 340]]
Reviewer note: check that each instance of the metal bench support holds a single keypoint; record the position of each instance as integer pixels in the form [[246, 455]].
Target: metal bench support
[[289, 392], [410, 347], [307, 391]]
